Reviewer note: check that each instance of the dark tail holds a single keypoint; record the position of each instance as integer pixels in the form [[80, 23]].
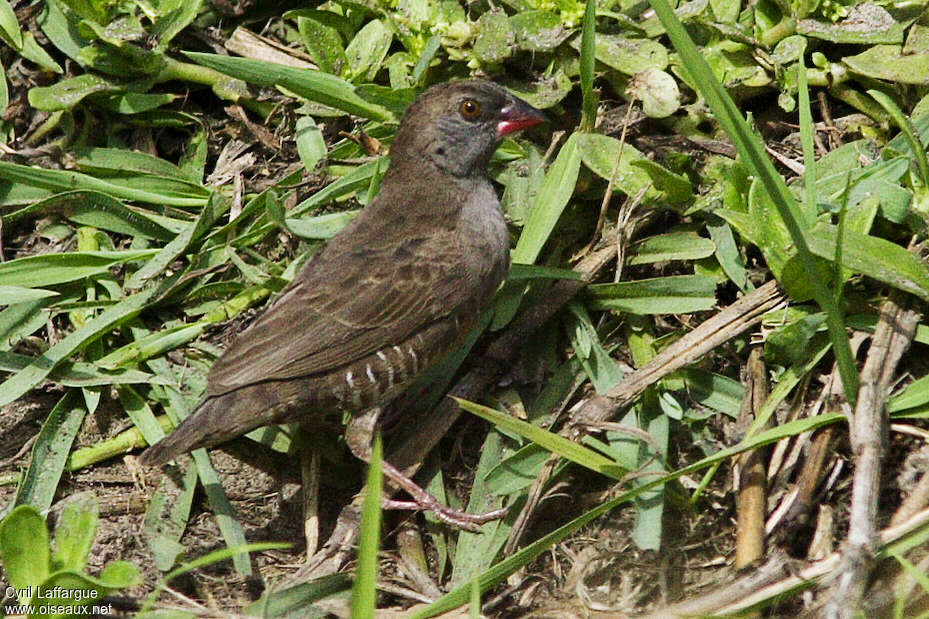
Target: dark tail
[[216, 420]]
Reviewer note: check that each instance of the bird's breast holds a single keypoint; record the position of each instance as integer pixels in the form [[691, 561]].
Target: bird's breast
[[485, 238]]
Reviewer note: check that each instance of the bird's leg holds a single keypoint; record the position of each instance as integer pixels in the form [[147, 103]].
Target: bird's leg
[[358, 436], [309, 474]]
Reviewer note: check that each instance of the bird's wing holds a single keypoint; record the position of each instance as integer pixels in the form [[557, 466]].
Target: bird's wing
[[335, 313]]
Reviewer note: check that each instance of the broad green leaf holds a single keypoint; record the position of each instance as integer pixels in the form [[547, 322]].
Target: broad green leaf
[[671, 246], [313, 85], [627, 55], [322, 226], [677, 294], [323, 44], [168, 25], [10, 295], [657, 91], [75, 531], [600, 152], [789, 344], [9, 27], [111, 161], [24, 550], [715, 391], [875, 257], [727, 251], [62, 180], [888, 62], [65, 94], [518, 471], [99, 210], [882, 27], [19, 321], [52, 269], [310, 143], [36, 53], [538, 31], [366, 52], [769, 231], [60, 32], [495, 38], [675, 187]]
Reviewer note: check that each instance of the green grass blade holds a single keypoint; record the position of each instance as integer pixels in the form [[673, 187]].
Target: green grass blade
[[550, 201], [50, 452], [676, 294], [906, 126], [806, 140], [588, 60], [556, 444], [79, 373], [364, 589]]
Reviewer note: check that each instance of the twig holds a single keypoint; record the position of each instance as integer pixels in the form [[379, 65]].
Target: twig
[[777, 577], [750, 501], [798, 502], [892, 336], [730, 322]]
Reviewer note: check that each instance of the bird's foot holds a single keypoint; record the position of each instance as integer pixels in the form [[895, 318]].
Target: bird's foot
[[358, 438], [448, 515]]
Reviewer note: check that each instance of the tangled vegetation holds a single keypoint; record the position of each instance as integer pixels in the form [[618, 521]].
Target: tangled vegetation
[[714, 306]]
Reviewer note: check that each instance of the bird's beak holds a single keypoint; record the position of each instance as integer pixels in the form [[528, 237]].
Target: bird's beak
[[518, 115]]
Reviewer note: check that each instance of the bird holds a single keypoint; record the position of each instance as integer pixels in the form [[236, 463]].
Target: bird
[[386, 298]]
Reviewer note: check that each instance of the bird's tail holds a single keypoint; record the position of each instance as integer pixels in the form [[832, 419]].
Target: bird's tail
[[214, 421]]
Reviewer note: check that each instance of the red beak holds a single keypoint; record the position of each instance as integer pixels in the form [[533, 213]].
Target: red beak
[[516, 116]]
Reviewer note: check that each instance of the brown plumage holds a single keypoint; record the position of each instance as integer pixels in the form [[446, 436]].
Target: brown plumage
[[390, 294]]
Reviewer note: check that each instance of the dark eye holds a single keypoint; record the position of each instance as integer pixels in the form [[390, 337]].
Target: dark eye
[[470, 109]]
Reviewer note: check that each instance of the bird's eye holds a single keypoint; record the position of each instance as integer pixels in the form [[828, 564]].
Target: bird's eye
[[470, 109]]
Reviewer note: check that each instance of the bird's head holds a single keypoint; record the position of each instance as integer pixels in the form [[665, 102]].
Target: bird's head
[[458, 125]]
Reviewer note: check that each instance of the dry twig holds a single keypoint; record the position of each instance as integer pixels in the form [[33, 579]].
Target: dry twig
[[892, 337]]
